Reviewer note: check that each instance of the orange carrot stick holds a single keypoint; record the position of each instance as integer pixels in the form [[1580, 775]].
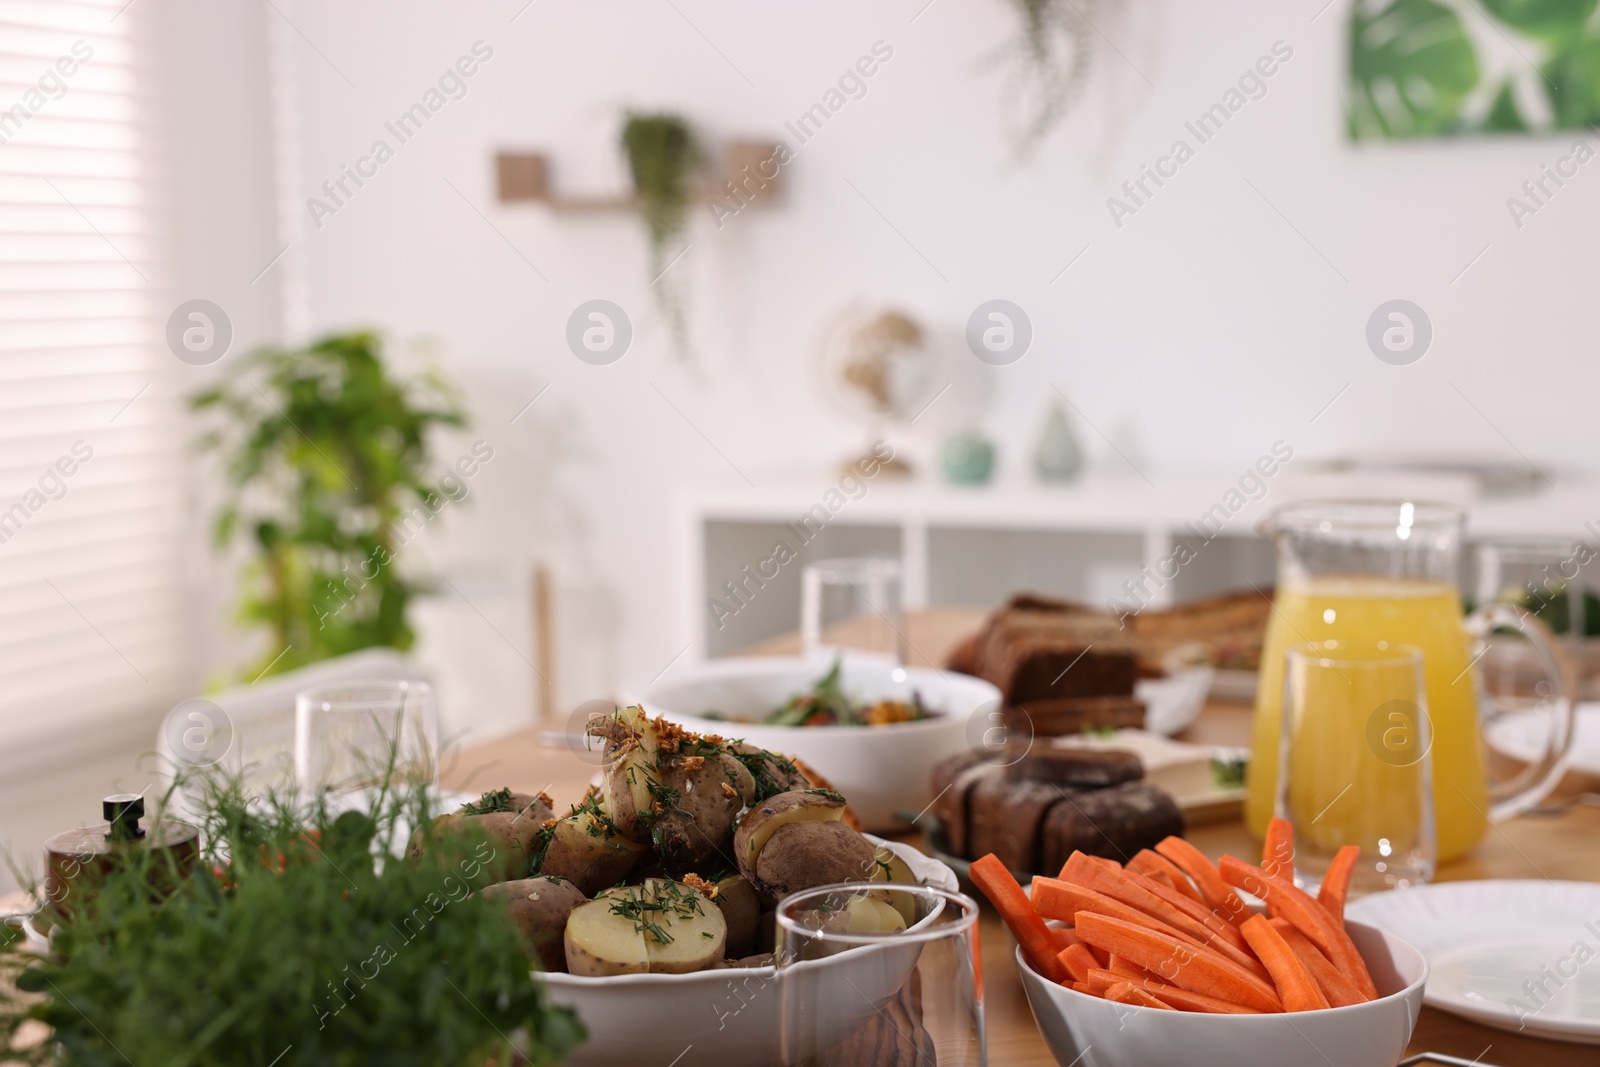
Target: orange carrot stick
[[1192, 908], [1123, 993], [1133, 888], [1339, 989], [1277, 850], [1062, 936], [1189, 917], [1296, 988], [1182, 999], [1154, 864], [1056, 899], [1177, 963], [1078, 962], [1215, 892], [1038, 947], [1336, 883], [1312, 919], [1127, 968]]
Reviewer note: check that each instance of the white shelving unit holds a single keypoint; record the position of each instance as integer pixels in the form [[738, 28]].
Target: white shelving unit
[[975, 545]]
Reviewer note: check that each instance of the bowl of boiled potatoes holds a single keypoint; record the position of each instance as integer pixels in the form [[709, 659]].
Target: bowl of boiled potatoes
[[649, 904]]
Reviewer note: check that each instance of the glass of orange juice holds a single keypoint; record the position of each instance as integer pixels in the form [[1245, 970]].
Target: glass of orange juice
[[1386, 570], [1355, 764]]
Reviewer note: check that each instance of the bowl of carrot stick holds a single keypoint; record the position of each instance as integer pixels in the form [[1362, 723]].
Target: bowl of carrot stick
[[1161, 960]]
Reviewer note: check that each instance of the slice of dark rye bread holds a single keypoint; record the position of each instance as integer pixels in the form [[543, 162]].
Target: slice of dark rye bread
[[1115, 823], [1078, 767], [1073, 715], [953, 780], [1033, 809], [1004, 816]]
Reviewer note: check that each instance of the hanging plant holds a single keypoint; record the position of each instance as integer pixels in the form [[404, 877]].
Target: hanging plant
[[663, 157], [1048, 69]]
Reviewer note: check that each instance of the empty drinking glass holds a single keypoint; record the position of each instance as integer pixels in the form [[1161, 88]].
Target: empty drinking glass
[[881, 975], [1356, 762], [353, 735], [852, 605]]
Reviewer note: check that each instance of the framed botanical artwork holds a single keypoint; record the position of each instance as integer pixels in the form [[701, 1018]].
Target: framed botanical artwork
[[1425, 68]]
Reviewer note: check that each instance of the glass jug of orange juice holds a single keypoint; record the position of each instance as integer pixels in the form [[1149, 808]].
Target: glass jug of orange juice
[[1369, 570]]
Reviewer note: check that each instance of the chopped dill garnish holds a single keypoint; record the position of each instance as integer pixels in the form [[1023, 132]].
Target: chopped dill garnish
[[645, 906], [497, 800]]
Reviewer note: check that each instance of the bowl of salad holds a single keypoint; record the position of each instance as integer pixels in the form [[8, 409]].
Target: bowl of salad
[[873, 728]]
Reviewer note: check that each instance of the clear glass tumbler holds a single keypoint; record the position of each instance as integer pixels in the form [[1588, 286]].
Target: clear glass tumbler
[[852, 606], [1356, 762], [886, 975], [353, 735]]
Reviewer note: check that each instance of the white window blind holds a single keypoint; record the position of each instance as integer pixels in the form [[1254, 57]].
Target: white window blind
[[91, 443]]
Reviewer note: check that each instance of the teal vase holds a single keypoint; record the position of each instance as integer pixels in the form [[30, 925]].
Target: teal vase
[[968, 459]]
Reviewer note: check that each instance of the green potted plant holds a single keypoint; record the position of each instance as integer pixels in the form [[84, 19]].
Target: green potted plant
[[663, 158], [324, 451], [301, 937]]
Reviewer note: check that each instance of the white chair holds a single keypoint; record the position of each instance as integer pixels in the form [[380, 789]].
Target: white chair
[[261, 715]]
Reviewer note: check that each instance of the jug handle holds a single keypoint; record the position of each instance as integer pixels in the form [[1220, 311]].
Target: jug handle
[[1528, 788]]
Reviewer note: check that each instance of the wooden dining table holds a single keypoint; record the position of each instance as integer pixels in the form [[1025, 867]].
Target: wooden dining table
[[1562, 845]]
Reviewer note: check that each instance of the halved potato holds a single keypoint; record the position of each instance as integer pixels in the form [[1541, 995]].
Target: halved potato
[[889, 867], [600, 943], [763, 820], [630, 756], [539, 907], [661, 927], [741, 910], [867, 914], [586, 851], [687, 933], [803, 855], [674, 790], [511, 823]]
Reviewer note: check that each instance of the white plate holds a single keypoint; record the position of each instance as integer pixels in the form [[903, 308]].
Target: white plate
[[729, 1017], [1523, 735], [1491, 945], [1172, 703]]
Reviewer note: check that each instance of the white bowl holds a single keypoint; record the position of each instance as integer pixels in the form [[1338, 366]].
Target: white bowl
[[729, 1016], [1091, 1032], [879, 769]]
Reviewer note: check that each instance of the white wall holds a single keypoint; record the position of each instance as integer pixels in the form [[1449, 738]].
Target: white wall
[[1221, 317]]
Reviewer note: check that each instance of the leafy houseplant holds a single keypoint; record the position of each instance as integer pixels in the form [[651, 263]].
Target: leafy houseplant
[[324, 451], [663, 158], [298, 939]]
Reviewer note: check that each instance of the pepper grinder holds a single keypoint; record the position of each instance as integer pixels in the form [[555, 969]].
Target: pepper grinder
[[78, 860]]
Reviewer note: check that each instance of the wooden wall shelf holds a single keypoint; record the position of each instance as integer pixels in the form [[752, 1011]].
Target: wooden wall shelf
[[750, 173]]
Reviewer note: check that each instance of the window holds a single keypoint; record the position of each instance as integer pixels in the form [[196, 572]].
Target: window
[[92, 513]]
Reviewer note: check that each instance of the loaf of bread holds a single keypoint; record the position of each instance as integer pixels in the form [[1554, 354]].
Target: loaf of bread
[[1034, 808], [1046, 656], [1031, 655]]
